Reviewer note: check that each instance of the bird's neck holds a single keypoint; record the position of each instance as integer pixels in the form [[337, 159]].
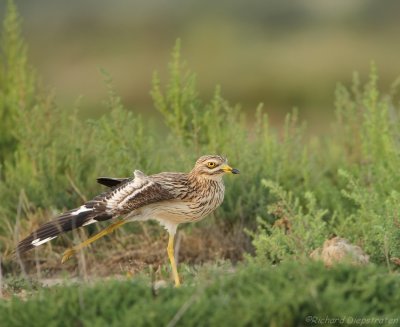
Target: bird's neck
[[200, 179]]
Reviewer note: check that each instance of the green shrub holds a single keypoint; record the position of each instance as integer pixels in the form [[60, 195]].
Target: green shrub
[[356, 167], [296, 231], [375, 222], [18, 86], [255, 295]]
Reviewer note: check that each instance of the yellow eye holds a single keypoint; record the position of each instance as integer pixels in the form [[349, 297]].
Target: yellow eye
[[211, 164]]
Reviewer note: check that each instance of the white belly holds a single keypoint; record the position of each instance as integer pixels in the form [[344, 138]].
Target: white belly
[[174, 212]]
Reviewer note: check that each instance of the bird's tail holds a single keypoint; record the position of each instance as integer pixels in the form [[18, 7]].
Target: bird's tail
[[68, 221]]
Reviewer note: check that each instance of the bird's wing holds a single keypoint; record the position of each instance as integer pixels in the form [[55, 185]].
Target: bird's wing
[[111, 181], [135, 194], [131, 194]]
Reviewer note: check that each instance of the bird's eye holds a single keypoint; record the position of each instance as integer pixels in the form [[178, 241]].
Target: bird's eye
[[210, 164]]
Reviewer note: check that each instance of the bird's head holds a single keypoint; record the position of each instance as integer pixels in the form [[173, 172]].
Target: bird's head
[[213, 167]]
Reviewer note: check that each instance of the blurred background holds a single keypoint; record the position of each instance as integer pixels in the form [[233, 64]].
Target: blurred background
[[282, 53]]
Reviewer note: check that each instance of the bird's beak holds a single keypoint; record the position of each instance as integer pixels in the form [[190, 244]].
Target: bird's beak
[[235, 171], [229, 169]]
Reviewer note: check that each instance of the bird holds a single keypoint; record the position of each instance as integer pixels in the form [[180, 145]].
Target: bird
[[171, 198]]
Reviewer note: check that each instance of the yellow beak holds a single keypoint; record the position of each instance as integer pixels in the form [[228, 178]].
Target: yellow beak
[[229, 169]]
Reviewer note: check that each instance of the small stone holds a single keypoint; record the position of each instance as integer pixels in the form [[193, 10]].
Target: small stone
[[338, 249]]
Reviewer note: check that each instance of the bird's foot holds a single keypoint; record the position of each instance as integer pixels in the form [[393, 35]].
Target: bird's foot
[[67, 254]]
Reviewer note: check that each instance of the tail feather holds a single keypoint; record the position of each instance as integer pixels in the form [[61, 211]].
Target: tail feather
[[68, 221]]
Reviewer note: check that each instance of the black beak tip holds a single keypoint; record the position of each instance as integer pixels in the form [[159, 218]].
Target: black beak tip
[[235, 171]]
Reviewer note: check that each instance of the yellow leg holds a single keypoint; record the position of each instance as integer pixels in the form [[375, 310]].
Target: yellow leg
[[70, 252], [170, 250]]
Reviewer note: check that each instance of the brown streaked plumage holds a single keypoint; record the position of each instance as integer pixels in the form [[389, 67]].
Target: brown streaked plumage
[[170, 198]]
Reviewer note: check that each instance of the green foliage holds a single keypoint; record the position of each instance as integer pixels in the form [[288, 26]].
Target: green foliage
[[254, 295], [198, 125], [179, 104], [355, 168], [296, 231], [17, 81], [17, 284], [375, 221]]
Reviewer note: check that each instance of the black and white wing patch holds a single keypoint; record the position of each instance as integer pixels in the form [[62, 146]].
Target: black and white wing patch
[[82, 216], [135, 194]]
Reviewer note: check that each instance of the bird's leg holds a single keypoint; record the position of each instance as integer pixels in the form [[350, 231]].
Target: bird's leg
[[70, 252], [171, 255]]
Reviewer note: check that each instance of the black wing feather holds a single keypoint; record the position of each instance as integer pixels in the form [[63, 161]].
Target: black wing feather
[[111, 181]]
